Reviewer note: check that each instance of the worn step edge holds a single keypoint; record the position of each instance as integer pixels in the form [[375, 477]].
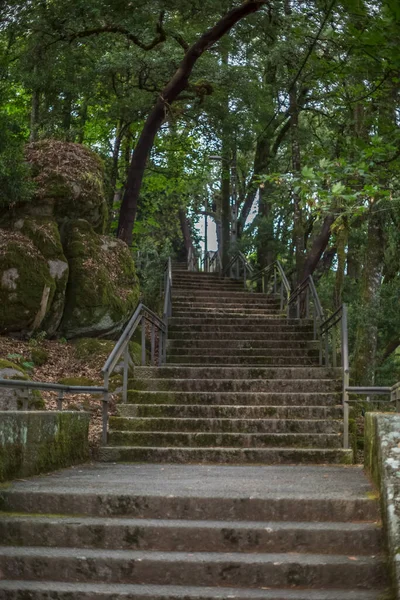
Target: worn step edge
[[231, 456], [243, 569], [363, 539], [54, 590]]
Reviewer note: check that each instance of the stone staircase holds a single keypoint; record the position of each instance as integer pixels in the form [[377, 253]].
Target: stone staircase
[[241, 385]]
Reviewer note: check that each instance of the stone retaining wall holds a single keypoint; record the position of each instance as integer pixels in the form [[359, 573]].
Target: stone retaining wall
[[36, 442], [382, 459]]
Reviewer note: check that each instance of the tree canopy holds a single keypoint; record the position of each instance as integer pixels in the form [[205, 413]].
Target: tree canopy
[[298, 99]]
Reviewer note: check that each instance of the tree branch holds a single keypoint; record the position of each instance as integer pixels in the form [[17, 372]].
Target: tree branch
[[159, 38]]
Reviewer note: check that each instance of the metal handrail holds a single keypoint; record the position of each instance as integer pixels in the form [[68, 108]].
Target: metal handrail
[[238, 260], [121, 349], [276, 270], [62, 389]]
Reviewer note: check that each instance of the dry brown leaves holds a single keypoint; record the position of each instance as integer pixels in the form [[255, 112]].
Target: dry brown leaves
[[63, 363]]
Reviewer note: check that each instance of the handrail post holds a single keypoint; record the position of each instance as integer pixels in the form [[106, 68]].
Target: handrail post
[[125, 375], [160, 347], [346, 377], [104, 411], [60, 400], [143, 340], [153, 336]]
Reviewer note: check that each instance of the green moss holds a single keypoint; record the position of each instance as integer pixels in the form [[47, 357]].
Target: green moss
[[77, 381], [39, 442], [7, 364], [115, 382], [39, 356], [21, 299], [87, 348], [102, 291], [135, 350]]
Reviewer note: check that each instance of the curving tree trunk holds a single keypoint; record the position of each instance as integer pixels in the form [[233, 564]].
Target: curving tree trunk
[[169, 94]]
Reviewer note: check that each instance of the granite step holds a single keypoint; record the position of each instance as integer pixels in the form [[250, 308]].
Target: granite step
[[179, 439], [226, 425], [250, 359], [230, 373], [182, 568], [227, 411], [55, 590], [226, 456], [285, 400], [235, 385], [179, 535]]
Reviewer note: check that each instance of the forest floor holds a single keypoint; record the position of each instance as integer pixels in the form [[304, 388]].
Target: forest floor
[[63, 361]]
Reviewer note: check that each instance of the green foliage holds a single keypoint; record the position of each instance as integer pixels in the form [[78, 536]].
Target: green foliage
[[15, 185]]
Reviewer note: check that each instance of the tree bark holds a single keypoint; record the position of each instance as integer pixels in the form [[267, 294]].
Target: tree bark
[[318, 247], [187, 238], [298, 226], [367, 332], [35, 116], [156, 117]]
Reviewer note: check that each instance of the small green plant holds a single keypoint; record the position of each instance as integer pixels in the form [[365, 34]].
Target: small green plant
[[21, 360], [37, 339]]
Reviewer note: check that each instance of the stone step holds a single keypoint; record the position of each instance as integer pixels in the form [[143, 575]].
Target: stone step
[[246, 323], [249, 302], [226, 313], [226, 456], [213, 333], [227, 411], [237, 385], [191, 295], [172, 439], [209, 304], [273, 346], [55, 590], [263, 399], [258, 350], [172, 535], [250, 359], [208, 286], [181, 568], [221, 372], [226, 425], [223, 493]]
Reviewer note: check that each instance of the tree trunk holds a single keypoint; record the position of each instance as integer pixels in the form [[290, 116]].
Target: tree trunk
[[187, 238], [35, 116], [367, 333], [114, 169], [341, 243], [298, 226], [156, 117], [318, 247]]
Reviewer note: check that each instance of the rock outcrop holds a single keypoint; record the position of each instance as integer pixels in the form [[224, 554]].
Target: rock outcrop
[[58, 271]]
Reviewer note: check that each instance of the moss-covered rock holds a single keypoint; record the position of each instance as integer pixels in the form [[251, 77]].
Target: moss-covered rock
[[44, 234], [93, 348], [69, 180], [39, 356], [13, 398], [102, 290], [26, 285], [77, 381]]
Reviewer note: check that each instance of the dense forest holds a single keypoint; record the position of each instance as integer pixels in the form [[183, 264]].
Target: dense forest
[[290, 108]]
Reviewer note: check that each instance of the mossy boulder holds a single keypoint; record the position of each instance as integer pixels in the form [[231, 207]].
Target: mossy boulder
[[93, 348], [102, 289], [12, 398], [39, 356], [26, 285], [44, 233], [69, 182]]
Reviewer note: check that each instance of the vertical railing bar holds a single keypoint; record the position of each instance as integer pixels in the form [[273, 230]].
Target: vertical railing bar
[[125, 375], [60, 400], [334, 347], [153, 335], [327, 361], [346, 376], [160, 347], [143, 340], [106, 397]]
